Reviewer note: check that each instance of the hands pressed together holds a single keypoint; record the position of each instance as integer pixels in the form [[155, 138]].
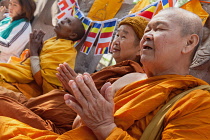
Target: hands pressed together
[[36, 42], [95, 108]]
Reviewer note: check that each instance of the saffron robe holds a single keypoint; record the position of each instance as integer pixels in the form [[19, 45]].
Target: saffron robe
[[135, 106], [53, 53], [49, 111]]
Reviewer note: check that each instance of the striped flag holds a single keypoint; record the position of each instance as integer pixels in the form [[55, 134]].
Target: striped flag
[[148, 11], [105, 37], [165, 3], [168, 3], [79, 14], [86, 23], [91, 37]]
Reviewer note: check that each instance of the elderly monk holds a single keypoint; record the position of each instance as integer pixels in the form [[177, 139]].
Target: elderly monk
[[167, 48], [36, 75], [49, 111]]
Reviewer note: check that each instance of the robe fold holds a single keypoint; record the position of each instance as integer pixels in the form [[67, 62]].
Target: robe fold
[[54, 52], [135, 106], [112, 73], [49, 111]]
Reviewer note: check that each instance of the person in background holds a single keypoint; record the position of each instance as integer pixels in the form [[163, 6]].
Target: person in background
[[36, 73], [16, 28]]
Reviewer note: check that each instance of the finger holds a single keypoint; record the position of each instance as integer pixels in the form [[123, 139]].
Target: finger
[[67, 73], [64, 74], [73, 104], [61, 80], [78, 95], [73, 73], [85, 90], [104, 87], [91, 85], [108, 95]]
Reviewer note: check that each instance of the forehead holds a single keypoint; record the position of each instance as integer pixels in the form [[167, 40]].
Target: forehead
[[14, 1], [164, 18], [127, 29]]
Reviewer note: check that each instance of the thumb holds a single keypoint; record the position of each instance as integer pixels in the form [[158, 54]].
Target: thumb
[[108, 94]]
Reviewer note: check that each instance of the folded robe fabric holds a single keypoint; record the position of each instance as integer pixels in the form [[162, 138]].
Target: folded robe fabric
[[54, 52], [135, 106], [49, 111], [112, 73]]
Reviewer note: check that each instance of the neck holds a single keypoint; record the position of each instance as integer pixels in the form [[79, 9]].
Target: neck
[[175, 69]]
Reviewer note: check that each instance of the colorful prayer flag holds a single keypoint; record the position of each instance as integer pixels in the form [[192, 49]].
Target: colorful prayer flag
[[91, 37], [165, 3], [105, 37], [79, 14], [86, 23], [149, 11]]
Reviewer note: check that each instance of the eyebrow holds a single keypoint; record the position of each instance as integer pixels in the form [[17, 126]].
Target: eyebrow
[[158, 23], [124, 31]]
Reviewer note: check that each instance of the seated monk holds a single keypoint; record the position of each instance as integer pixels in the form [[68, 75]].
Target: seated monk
[[49, 111], [36, 75], [167, 49]]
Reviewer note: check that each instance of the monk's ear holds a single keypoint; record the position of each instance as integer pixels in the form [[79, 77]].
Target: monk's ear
[[72, 36], [191, 43]]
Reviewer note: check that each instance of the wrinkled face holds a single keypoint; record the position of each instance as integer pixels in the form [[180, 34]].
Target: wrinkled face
[[14, 8], [162, 42], [123, 46], [66, 27]]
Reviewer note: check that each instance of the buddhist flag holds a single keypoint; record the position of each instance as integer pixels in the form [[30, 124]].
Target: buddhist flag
[[105, 36], [86, 23], [91, 37], [148, 11], [165, 3], [79, 14]]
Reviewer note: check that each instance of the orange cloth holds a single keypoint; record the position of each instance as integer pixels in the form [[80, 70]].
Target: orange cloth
[[135, 106], [54, 52], [112, 73], [104, 9], [45, 112], [54, 113]]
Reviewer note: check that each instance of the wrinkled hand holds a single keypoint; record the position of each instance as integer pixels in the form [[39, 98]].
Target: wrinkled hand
[[2, 12], [36, 42], [95, 109], [66, 73]]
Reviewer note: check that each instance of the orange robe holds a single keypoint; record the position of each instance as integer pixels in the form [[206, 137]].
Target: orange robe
[[49, 111], [54, 52], [135, 106]]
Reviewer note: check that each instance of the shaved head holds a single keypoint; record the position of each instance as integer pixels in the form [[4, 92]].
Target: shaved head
[[189, 22]]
